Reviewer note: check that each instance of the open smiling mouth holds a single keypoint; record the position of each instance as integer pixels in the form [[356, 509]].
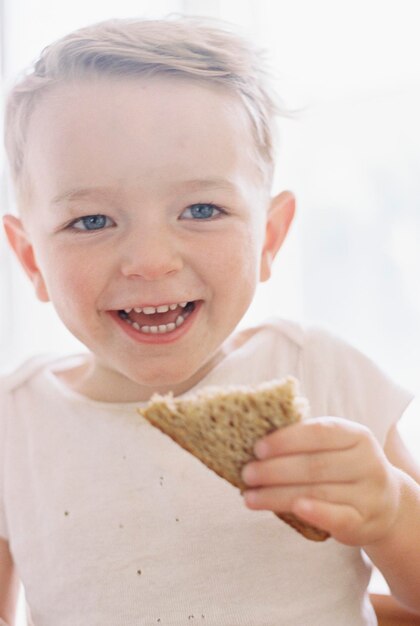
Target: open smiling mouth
[[162, 319]]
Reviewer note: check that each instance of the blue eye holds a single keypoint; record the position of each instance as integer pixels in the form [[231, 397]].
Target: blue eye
[[202, 211], [91, 222]]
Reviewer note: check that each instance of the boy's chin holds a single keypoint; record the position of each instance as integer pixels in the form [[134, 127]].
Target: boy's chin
[[178, 380]]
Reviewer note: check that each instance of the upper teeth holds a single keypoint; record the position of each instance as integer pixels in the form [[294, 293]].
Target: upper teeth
[[149, 310]]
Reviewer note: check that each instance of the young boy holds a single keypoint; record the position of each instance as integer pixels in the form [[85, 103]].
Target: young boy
[[141, 154]]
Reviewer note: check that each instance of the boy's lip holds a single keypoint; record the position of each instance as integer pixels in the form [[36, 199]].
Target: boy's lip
[[158, 338]]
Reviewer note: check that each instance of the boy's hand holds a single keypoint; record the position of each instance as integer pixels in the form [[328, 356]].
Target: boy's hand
[[330, 472]]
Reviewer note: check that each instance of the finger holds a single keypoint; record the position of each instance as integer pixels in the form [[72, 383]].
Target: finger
[[342, 521], [324, 433], [281, 499], [334, 466]]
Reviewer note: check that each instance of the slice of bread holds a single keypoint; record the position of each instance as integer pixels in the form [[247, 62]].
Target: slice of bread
[[221, 425]]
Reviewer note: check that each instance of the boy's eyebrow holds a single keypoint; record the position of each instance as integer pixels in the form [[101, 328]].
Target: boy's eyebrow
[[199, 184], [209, 183], [83, 193]]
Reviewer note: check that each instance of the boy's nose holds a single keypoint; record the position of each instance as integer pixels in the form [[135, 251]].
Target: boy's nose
[[151, 257]]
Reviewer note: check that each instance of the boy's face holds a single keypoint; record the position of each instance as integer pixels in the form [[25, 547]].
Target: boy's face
[[145, 193]]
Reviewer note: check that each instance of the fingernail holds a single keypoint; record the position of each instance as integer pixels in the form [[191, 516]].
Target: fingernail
[[250, 497], [261, 449], [303, 505], [247, 474]]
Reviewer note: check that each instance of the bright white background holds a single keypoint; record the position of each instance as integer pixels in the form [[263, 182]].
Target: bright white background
[[351, 155]]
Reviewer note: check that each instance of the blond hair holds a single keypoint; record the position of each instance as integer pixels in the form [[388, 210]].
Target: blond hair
[[189, 47]]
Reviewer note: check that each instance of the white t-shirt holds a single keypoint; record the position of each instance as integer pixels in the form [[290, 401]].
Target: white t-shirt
[[111, 523]]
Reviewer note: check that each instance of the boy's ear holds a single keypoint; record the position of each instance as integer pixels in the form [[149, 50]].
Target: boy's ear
[[22, 246], [280, 216]]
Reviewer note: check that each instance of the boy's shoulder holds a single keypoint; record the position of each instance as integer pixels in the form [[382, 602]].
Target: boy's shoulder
[[321, 351], [313, 351], [304, 336], [12, 380], [325, 357], [312, 338], [287, 330]]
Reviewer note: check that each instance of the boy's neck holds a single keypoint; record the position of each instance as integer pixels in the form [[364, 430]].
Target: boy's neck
[[99, 383]]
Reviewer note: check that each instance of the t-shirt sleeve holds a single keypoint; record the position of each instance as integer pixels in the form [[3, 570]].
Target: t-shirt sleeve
[[343, 382], [3, 435]]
